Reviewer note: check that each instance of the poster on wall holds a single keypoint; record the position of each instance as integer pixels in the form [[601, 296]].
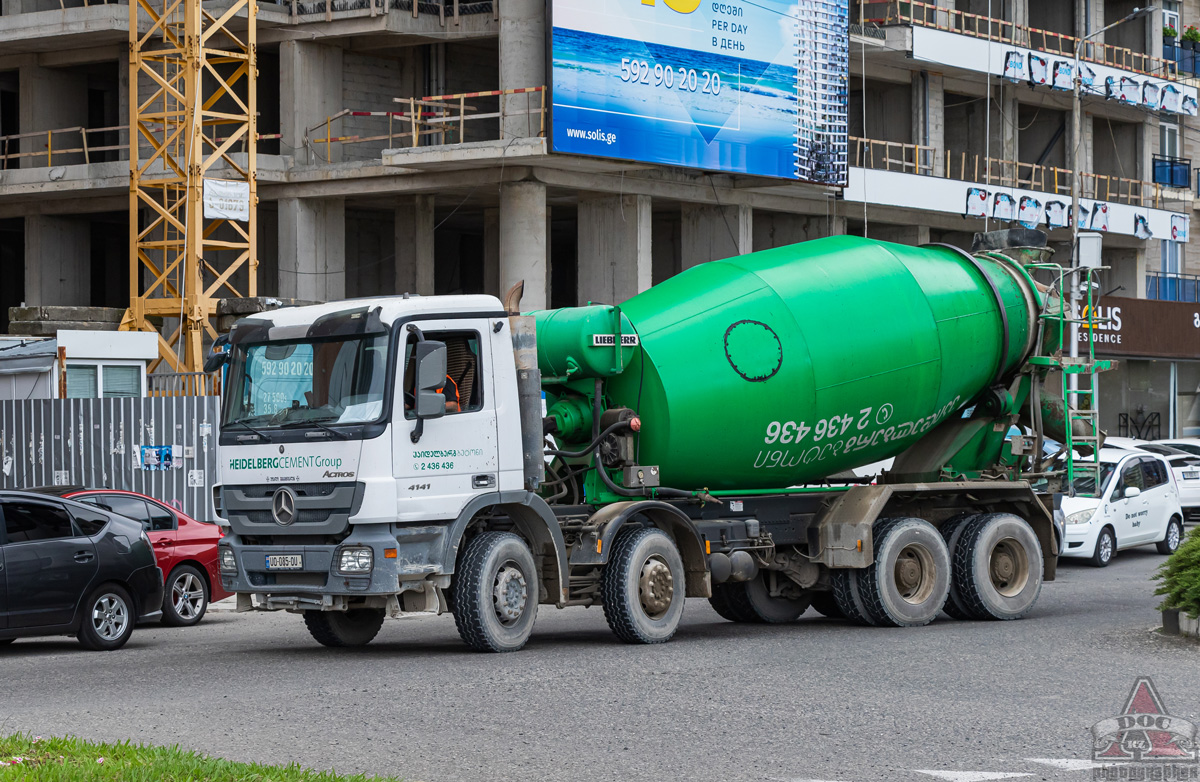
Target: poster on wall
[[1014, 66], [159, 458], [1171, 99], [1099, 217], [1063, 71], [1180, 228], [1130, 91], [1141, 227], [1004, 207], [750, 88], [1056, 214], [1150, 95], [1039, 70], [977, 202], [1029, 212]]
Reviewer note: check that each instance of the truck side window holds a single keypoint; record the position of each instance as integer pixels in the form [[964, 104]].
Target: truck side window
[[464, 385]]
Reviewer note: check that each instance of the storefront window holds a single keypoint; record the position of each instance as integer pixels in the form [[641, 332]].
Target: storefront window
[[1187, 403], [1135, 400]]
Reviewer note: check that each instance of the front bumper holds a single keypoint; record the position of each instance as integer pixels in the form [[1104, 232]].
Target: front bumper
[[420, 555], [1080, 539]]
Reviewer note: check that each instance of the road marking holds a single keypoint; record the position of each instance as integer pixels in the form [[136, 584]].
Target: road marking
[[1067, 765], [973, 776]]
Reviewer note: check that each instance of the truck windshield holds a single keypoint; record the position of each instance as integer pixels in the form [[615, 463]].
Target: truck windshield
[[280, 385]]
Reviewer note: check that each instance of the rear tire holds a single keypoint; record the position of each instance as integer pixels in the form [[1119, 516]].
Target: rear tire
[[642, 587], [342, 629], [998, 567], [496, 593], [845, 594], [1106, 548], [826, 605], [951, 533], [108, 619], [908, 583], [1171, 539], [186, 597], [751, 601]]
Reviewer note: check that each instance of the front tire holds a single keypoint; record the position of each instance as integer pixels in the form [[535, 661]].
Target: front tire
[[342, 629], [1106, 547], [186, 597], [496, 593], [1171, 539], [642, 587], [108, 619], [998, 567], [908, 583]]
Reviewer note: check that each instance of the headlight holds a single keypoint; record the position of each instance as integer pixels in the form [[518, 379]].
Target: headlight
[[1081, 516], [228, 561], [355, 559]]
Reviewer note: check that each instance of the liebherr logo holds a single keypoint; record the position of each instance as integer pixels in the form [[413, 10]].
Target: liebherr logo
[[331, 474]]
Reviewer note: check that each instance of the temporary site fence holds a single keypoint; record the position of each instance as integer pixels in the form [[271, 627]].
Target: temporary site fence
[[162, 447]]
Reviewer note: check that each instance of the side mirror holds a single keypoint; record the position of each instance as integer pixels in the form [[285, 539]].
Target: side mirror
[[430, 358], [218, 354], [1131, 492]]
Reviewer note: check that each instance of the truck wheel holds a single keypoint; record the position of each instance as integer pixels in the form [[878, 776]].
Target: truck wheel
[[751, 601], [909, 581], [826, 605], [642, 587], [998, 567], [339, 629], [730, 601], [845, 594], [951, 533], [496, 593], [1171, 539]]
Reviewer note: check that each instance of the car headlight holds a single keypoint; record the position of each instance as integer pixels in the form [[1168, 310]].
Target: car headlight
[[355, 559], [228, 561], [1081, 516]]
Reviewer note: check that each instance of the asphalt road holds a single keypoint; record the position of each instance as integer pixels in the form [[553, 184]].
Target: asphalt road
[[818, 699]]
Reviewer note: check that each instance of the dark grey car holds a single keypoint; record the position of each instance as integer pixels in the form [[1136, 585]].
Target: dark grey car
[[72, 569]]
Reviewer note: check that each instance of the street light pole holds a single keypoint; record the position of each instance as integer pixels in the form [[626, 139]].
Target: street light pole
[[1076, 175]]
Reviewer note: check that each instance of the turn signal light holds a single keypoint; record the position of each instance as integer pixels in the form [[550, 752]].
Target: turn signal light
[[599, 544], [860, 545], [389, 553]]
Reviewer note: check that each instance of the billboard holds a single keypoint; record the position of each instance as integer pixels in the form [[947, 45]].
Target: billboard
[[725, 85]]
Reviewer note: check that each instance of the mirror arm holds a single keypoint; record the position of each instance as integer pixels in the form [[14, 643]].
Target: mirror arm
[[418, 430], [414, 329]]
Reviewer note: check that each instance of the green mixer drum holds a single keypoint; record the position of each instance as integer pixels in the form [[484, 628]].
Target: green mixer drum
[[788, 365]]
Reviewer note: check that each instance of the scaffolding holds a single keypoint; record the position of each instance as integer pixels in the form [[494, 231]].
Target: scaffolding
[[192, 190]]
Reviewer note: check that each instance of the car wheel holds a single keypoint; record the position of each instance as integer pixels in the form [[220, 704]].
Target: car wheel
[[339, 629], [108, 619], [1106, 546], [642, 587], [1170, 541], [186, 597], [495, 593]]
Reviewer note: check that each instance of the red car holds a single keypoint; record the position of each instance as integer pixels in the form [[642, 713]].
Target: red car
[[186, 549]]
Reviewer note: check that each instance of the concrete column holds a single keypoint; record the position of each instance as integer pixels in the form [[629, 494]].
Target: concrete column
[[1020, 20], [491, 252], [51, 99], [414, 245], [312, 248], [615, 262], [1005, 136], [524, 242], [710, 233], [310, 90], [1127, 271], [779, 229], [58, 255], [914, 235], [929, 120], [522, 62]]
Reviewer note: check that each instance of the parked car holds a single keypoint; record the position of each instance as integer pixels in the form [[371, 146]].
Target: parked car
[[1184, 464], [1138, 504], [1189, 444], [72, 569], [186, 549]]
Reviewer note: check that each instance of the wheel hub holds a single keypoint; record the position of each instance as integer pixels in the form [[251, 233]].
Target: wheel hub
[[914, 574], [656, 587], [510, 594], [1008, 567]]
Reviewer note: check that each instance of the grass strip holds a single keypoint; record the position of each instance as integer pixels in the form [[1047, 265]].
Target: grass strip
[[69, 759]]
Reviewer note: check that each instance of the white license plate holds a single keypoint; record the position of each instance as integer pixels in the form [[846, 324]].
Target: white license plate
[[1191, 476], [285, 561]]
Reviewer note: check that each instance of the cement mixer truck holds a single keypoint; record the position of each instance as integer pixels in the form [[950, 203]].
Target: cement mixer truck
[[442, 454]]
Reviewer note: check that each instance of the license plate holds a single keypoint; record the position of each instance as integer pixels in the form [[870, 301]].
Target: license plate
[[285, 561], [1191, 475]]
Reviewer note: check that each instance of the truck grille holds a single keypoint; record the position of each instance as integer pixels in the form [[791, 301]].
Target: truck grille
[[321, 508]]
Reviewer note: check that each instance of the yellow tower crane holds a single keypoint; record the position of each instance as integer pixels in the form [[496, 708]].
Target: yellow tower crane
[[192, 189]]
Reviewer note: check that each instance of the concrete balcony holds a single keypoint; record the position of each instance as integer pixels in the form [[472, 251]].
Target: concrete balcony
[[976, 187]]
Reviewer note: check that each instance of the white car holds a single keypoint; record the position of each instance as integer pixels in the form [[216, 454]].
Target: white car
[[1185, 464], [1138, 504], [1189, 444]]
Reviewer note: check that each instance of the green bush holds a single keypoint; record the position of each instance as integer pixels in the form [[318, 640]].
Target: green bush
[[1180, 577]]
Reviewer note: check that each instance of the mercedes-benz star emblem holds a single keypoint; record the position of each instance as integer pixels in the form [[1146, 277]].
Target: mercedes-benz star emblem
[[283, 506]]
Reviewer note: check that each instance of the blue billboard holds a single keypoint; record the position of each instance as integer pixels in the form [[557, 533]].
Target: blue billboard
[[724, 85]]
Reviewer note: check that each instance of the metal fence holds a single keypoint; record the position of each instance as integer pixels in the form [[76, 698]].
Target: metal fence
[[165, 448], [1173, 287]]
